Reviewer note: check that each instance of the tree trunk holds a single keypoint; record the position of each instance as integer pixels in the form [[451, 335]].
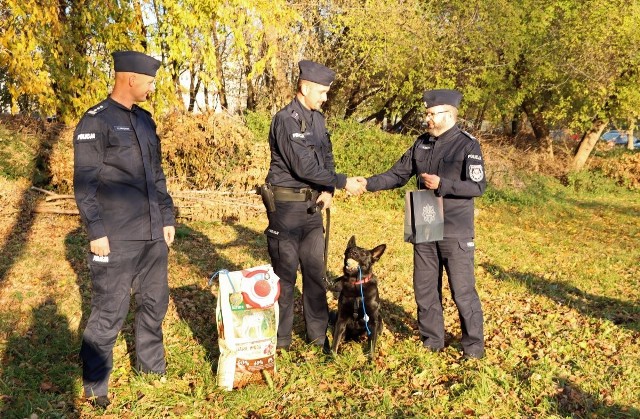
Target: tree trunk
[[143, 30], [220, 81], [539, 126], [587, 144], [480, 116], [194, 87], [252, 99], [382, 113], [632, 122], [400, 126]]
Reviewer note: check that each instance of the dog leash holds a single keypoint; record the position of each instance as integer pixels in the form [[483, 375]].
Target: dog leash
[[222, 271], [326, 243], [364, 309]]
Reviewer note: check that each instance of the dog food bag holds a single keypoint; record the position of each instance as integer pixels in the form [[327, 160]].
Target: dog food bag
[[247, 321]]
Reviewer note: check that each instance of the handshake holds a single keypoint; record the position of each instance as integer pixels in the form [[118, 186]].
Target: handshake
[[356, 185]]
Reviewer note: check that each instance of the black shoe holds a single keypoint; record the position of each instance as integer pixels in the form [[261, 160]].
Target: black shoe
[[431, 348], [100, 401], [333, 317], [473, 355], [282, 348], [326, 348]]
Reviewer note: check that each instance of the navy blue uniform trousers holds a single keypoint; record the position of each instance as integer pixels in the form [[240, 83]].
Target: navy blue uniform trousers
[[456, 256], [133, 267], [299, 241]]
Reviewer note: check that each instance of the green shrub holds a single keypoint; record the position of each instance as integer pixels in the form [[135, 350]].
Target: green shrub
[[593, 181], [258, 123], [365, 150]]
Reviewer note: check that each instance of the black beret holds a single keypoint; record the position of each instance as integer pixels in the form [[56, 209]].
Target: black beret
[[316, 73], [437, 97], [135, 62]]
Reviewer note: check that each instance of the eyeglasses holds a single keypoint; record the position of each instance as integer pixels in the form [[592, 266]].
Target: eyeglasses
[[433, 114]]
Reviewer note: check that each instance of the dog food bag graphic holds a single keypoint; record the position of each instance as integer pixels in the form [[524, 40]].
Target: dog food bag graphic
[[247, 322]]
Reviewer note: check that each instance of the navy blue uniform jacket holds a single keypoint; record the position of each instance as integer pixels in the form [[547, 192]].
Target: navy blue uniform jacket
[[302, 158], [119, 184], [455, 156]]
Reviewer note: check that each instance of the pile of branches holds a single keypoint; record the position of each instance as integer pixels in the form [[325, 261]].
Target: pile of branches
[[211, 160], [192, 205], [227, 206]]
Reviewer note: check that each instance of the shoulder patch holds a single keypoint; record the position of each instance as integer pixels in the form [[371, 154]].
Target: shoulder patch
[[468, 135], [302, 122], [101, 107]]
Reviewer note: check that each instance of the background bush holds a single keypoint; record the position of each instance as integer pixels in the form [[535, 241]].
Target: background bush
[[220, 152]]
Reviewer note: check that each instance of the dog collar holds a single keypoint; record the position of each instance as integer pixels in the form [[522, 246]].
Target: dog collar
[[363, 280]]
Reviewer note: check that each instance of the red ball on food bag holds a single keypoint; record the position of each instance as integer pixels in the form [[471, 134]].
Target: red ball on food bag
[[262, 288]]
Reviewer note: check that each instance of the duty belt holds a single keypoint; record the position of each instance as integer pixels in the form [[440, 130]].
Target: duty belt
[[283, 194]]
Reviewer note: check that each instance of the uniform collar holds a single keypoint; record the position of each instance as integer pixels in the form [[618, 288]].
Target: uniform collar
[[445, 136], [134, 107], [306, 114]]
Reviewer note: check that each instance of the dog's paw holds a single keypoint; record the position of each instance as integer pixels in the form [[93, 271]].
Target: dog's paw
[[334, 286]]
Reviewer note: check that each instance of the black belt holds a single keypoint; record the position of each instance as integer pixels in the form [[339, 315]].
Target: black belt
[[283, 194]]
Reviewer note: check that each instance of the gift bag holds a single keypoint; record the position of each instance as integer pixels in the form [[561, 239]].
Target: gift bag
[[247, 322], [423, 217]]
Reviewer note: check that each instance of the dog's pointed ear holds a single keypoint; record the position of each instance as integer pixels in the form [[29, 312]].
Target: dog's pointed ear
[[352, 242], [377, 251]]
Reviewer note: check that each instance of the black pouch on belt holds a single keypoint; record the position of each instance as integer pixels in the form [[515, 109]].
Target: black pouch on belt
[[266, 193]]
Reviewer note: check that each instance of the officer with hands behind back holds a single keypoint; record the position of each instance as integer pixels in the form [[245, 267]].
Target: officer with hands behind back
[[301, 176], [448, 161], [121, 192]]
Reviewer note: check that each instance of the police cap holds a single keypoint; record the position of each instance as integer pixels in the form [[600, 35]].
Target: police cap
[[135, 62], [437, 97], [316, 73]]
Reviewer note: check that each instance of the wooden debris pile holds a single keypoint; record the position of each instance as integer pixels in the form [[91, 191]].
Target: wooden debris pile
[[192, 205]]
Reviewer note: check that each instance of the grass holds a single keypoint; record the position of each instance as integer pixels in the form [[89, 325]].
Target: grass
[[557, 272]]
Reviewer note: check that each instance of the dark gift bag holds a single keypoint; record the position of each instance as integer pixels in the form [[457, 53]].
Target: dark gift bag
[[423, 217]]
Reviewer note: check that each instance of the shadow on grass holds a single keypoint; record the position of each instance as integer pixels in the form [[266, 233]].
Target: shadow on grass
[[39, 368], [76, 248], [15, 243], [622, 313], [196, 303], [399, 322], [618, 208], [574, 402]]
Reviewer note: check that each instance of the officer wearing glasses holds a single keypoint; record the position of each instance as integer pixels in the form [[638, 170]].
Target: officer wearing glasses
[[448, 161]]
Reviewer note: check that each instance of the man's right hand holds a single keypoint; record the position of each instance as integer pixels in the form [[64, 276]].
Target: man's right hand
[[100, 246], [356, 185]]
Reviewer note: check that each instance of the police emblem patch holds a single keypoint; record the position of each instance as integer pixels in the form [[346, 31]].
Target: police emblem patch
[[429, 214], [476, 173]]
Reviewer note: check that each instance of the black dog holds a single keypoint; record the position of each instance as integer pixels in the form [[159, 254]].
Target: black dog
[[359, 300]]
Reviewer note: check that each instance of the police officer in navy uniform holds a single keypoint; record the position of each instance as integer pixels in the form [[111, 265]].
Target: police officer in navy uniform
[[302, 175], [121, 192], [448, 161]]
